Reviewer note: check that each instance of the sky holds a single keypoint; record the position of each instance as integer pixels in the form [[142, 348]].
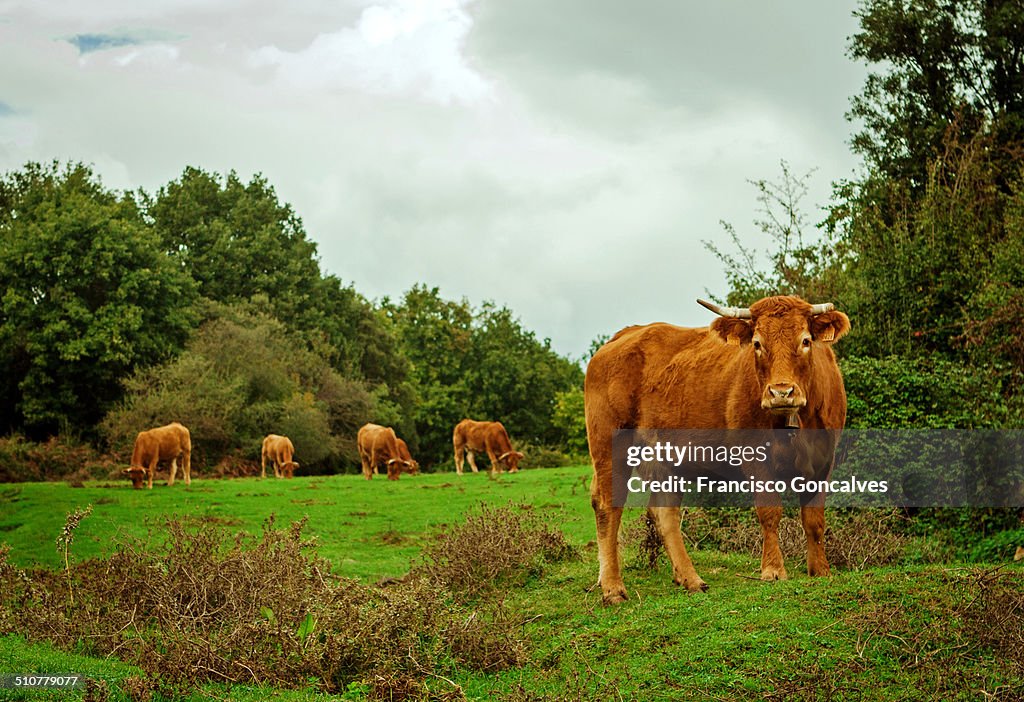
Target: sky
[[565, 159]]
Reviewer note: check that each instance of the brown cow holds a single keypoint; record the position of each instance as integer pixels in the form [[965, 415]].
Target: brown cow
[[470, 436], [167, 443], [279, 450], [764, 367], [378, 445]]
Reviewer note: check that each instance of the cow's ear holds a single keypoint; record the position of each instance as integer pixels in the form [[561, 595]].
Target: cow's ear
[[829, 327], [732, 330], [518, 454]]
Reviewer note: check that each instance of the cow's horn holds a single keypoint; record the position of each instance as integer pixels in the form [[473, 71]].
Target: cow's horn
[[739, 312], [822, 308]]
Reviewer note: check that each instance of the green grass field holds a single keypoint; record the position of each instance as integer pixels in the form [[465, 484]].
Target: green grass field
[[896, 633]]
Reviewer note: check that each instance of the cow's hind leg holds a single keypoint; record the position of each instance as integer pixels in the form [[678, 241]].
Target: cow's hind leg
[[460, 457], [472, 462], [173, 471], [186, 465], [683, 573], [813, 518], [608, 517], [772, 565]]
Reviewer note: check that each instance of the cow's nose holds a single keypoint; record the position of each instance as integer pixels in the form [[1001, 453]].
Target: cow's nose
[[780, 391]]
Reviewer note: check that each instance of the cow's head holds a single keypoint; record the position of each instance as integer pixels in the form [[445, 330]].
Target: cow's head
[[289, 468], [784, 334], [396, 466], [137, 474], [511, 459]]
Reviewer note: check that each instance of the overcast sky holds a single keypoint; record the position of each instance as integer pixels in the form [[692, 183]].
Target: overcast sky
[[564, 158]]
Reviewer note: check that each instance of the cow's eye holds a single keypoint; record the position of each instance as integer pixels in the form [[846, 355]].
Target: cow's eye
[[807, 342], [757, 345]]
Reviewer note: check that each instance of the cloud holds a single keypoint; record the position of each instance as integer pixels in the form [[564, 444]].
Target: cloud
[[403, 47], [90, 42], [564, 159]]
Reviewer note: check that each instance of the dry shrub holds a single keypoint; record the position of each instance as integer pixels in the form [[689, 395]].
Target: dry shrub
[[995, 615], [189, 606], [58, 458], [865, 538], [643, 535], [494, 546], [855, 539]]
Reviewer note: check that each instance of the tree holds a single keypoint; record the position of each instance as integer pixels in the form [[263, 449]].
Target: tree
[[88, 296], [241, 244], [940, 66], [237, 240]]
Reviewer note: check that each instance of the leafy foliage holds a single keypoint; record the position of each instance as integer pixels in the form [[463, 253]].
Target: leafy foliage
[[88, 297], [941, 67], [241, 377]]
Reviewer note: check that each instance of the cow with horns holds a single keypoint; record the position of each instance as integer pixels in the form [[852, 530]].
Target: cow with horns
[[769, 366]]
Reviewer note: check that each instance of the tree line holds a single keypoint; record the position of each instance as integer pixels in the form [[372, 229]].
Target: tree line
[[204, 303]]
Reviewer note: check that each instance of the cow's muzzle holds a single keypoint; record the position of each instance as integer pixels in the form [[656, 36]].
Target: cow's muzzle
[[783, 398]]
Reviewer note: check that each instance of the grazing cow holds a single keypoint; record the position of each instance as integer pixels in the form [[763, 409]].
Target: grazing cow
[[167, 443], [764, 367], [379, 445], [470, 436], [279, 450]]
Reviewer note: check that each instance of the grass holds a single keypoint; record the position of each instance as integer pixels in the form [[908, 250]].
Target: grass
[[367, 529], [894, 633]]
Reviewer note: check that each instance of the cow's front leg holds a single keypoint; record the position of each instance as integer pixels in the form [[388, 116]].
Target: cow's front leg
[[772, 565], [277, 468], [813, 518]]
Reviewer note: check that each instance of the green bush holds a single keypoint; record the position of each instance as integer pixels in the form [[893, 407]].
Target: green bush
[[894, 392]]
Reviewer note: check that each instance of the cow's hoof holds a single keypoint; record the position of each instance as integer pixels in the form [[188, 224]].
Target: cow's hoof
[[614, 598], [819, 572], [771, 574], [694, 585]]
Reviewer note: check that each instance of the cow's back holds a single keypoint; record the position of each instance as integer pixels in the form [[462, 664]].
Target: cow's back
[[278, 448], [166, 443], [497, 438], [658, 375], [374, 437]]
